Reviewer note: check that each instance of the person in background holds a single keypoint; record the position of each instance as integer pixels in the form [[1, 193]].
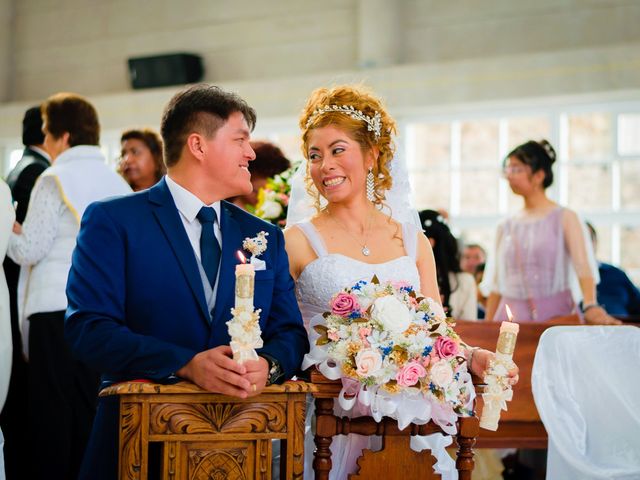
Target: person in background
[[538, 248], [472, 256], [269, 162], [7, 217], [141, 162], [457, 288], [616, 292], [62, 390], [20, 180]]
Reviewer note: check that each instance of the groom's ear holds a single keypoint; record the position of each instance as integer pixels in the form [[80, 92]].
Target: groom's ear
[[196, 145]]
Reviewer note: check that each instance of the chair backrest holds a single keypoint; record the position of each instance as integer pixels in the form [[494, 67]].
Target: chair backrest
[[586, 386]]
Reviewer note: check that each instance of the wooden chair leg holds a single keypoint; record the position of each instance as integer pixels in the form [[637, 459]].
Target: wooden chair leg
[[325, 430]]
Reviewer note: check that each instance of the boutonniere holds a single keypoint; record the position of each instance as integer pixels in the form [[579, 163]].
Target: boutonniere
[[256, 246]]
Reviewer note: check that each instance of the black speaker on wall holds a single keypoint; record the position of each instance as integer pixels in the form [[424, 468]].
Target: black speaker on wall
[[165, 70]]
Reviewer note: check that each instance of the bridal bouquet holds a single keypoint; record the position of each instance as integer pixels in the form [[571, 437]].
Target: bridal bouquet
[[396, 353], [273, 199]]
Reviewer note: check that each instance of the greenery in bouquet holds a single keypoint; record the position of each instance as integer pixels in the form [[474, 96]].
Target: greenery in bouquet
[[388, 338], [273, 199]]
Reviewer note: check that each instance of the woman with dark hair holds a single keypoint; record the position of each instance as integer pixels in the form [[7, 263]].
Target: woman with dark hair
[[457, 288], [540, 249], [269, 162], [141, 162], [62, 391]]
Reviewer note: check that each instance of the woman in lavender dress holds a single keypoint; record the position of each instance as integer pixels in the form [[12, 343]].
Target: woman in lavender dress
[[543, 250]]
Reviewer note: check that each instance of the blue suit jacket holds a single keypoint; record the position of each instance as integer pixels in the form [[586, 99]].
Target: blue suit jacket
[[137, 307]]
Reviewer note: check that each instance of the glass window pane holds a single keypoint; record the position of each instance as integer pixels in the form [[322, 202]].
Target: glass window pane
[[479, 192], [590, 136], [629, 134], [523, 129], [432, 145], [590, 187], [479, 143], [629, 182], [431, 190], [630, 253]]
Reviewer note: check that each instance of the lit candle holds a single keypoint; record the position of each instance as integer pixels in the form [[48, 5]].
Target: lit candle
[[244, 326], [498, 391], [245, 275]]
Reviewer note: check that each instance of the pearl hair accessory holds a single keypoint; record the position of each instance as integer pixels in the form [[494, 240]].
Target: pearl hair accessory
[[374, 124]]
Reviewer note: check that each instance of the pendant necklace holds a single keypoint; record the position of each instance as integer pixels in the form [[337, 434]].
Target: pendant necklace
[[364, 249]]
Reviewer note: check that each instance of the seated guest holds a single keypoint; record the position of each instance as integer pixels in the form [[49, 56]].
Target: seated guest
[[62, 391], [615, 291], [457, 288], [141, 162], [269, 162], [482, 300]]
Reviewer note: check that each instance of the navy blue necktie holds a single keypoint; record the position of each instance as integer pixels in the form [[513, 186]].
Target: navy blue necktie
[[209, 247]]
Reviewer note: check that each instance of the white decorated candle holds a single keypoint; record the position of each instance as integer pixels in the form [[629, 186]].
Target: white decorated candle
[[245, 275], [498, 391]]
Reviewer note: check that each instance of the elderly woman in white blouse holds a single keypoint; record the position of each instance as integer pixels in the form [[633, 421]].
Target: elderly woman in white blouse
[[62, 392]]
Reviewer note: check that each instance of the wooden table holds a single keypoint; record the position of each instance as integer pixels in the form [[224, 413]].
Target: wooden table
[[396, 460], [207, 436]]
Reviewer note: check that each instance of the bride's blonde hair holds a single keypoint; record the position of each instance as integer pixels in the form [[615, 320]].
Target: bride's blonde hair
[[320, 111]]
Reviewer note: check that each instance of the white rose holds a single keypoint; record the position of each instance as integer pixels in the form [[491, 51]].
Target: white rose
[[271, 209], [368, 362], [391, 313], [441, 373]]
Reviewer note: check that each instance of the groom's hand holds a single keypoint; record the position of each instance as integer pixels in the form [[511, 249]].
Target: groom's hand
[[257, 373], [216, 371]]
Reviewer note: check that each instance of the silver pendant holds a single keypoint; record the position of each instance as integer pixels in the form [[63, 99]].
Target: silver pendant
[[365, 251]]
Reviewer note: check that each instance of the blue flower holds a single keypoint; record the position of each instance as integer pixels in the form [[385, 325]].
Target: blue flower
[[432, 387], [387, 350], [427, 350], [355, 314]]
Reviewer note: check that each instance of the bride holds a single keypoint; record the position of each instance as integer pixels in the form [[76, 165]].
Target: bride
[[351, 220]]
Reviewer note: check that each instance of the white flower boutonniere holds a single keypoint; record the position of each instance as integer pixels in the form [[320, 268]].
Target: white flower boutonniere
[[256, 246]]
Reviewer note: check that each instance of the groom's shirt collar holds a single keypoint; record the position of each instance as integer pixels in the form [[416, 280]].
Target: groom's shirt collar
[[186, 202], [189, 205]]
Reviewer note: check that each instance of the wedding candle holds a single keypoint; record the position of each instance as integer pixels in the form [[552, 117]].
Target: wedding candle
[[507, 339], [245, 275], [498, 391]]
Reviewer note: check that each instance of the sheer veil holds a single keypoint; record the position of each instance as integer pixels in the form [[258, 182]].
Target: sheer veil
[[397, 204]]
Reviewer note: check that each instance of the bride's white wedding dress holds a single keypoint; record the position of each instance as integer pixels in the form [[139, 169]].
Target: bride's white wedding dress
[[318, 282]]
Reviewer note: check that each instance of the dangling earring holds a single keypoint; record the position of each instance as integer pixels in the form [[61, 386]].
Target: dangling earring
[[370, 186]]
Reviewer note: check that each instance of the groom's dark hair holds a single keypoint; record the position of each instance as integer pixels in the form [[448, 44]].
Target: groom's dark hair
[[200, 108]]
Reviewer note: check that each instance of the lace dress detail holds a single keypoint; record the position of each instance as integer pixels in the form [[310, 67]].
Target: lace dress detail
[[331, 272], [318, 282]]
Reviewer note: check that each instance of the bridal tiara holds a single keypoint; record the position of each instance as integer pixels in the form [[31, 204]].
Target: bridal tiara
[[374, 124]]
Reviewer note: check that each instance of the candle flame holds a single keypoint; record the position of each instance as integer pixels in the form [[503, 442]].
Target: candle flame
[[509, 314], [241, 257]]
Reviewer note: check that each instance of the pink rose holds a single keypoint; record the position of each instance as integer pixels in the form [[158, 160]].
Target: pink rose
[[343, 304], [445, 347], [410, 374], [368, 362]]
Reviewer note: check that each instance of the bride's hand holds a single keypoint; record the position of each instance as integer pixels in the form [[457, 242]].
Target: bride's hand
[[480, 363]]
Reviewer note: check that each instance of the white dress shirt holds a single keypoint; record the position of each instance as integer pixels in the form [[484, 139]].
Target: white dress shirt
[[189, 205]]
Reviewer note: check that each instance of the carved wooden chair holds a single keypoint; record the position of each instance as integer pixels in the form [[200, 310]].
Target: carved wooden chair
[[207, 436], [395, 442]]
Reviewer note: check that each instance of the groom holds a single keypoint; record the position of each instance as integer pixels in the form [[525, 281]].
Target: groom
[[152, 280]]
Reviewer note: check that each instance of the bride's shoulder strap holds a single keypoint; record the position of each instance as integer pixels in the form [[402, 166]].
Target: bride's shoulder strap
[[410, 239], [313, 237]]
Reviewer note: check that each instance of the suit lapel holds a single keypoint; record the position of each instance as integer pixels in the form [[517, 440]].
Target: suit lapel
[[168, 217], [231, 243]]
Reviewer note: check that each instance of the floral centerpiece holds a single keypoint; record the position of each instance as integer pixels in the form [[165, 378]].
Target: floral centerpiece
[[273, 199], [396, 353]]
